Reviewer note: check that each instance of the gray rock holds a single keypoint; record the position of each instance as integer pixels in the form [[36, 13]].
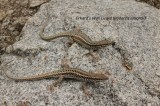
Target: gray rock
[[134, 26]]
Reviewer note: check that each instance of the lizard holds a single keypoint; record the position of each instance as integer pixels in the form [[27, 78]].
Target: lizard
[[66, 73], [79, 37], [76, 35]]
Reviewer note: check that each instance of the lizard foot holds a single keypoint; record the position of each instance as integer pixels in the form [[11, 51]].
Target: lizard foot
[[94, 55], [64, 62], [55, 84], [128, 65], [85, 90], [71, 41]]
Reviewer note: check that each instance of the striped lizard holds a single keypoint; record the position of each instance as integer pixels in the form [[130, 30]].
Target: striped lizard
[[66, 73], [76, 35]]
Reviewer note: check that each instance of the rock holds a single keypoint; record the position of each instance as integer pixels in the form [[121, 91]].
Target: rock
[[35, 3], [158, 73], [2, 15], [134, 26]]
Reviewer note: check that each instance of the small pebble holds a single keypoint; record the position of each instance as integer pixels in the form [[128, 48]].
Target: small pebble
[[158, 73]]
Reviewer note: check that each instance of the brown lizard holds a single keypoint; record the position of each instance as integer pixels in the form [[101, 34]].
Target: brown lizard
[[81, 38], [76, 35], [69, 73], [66, 73]]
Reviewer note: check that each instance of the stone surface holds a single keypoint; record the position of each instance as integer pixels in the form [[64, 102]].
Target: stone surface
[[2, 15], [34, 3], [138, 33]]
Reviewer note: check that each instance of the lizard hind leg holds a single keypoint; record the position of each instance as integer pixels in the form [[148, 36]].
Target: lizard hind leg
[[94, 55], [64, 62]]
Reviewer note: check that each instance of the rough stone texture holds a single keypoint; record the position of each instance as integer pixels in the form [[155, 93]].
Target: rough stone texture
[[141, 38], [34, 3]]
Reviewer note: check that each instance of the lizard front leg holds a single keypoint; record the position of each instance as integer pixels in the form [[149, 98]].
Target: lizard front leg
[[64, 62], [56, 84], [94, 55], [71, 41]]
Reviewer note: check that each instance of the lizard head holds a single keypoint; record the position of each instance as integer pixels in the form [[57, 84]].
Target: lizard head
[[101, 75]]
